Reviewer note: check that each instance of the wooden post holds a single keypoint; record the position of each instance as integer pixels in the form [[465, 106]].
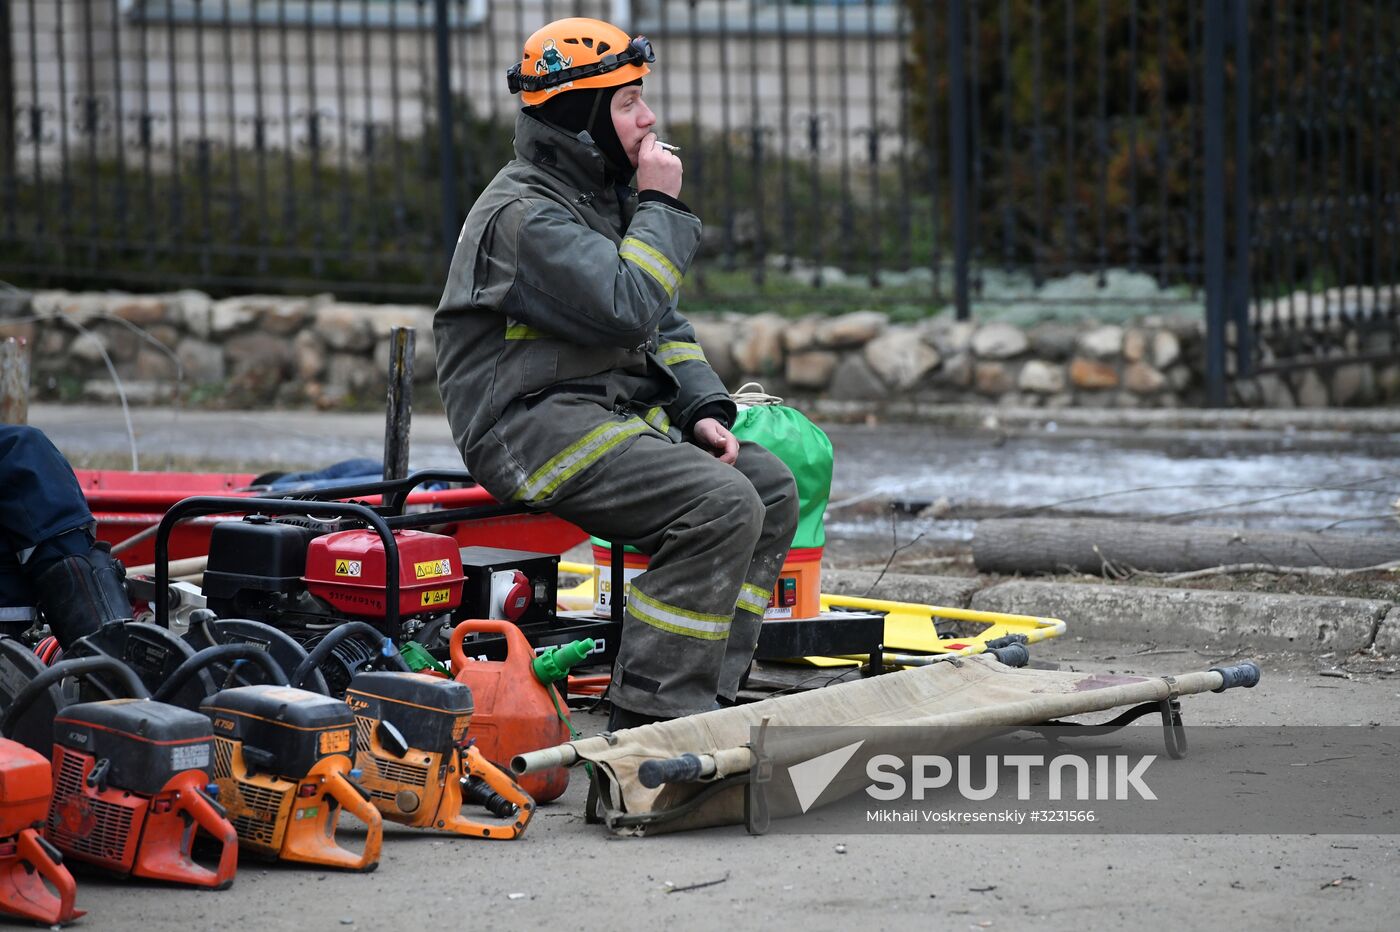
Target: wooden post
[[14, 381], [399, 414]]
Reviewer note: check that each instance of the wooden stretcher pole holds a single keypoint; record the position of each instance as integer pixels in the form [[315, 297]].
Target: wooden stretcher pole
[[398, 416]]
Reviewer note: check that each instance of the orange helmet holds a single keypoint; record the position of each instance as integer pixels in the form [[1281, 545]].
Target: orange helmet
[[573, 54]]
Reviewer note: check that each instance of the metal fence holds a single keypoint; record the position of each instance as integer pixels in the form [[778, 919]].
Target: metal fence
[[982, 155], [1323, 197]]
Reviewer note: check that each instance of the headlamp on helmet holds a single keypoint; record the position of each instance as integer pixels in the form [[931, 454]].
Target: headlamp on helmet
[[578, 53]]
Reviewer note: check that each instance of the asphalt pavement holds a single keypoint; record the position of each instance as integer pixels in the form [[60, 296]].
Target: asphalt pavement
[[567, 872]]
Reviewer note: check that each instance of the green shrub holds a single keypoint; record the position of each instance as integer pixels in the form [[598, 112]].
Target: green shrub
[[1136, 165]]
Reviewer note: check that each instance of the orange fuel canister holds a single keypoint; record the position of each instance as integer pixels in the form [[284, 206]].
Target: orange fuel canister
[[514, 712]]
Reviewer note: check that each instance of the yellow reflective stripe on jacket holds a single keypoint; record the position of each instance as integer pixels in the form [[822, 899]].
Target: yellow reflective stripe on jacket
[[753, 599], [577, 457], [658, 419], [676, 620], [518, 331], [673, 353], [653, 262]]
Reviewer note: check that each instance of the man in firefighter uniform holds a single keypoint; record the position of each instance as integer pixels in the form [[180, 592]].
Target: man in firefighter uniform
[[574, 385]]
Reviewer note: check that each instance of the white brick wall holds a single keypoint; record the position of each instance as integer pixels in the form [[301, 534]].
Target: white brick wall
[[229, 67]]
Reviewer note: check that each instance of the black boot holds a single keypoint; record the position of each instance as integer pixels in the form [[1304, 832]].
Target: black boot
[[80, 593]]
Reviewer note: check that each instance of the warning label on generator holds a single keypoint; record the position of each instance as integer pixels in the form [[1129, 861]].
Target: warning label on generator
[[437, 597], [347, 567], [432, 569]]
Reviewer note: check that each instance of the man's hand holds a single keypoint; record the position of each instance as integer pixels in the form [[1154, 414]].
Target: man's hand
[[713, 436], [657, 169]]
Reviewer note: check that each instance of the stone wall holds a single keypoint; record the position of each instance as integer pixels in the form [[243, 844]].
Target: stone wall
[[316, 351], [249, 351], [862, 356]]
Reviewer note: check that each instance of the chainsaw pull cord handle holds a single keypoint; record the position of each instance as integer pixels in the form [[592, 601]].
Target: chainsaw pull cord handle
[[516, 645], [348, 629], [35, 849], [78, 666], [214, 654]]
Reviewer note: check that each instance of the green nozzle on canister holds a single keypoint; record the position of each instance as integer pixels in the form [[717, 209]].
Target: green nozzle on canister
[[418, 658], [554, 664]]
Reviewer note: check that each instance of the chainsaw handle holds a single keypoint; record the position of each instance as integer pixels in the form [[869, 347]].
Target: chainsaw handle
[[213, 819], [214, 654], [35, 849], [515, 640], [354, 799], [347, 630], [478, 766], [78, 666]]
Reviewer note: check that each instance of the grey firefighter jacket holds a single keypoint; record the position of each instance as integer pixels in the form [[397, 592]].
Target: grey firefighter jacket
[[558, 339]]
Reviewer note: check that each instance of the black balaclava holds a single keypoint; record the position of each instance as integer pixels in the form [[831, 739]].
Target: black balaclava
[[577, 112]]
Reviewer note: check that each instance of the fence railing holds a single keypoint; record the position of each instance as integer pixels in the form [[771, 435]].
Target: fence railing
[[998, 157], [1324, 184]]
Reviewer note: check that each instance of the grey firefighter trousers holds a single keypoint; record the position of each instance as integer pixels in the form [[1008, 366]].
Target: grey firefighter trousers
[[716, 536]]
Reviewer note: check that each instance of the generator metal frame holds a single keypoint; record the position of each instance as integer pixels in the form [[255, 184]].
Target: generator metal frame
[[861, 634]]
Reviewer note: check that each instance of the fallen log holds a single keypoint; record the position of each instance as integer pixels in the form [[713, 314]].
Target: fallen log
[[1108, 547]]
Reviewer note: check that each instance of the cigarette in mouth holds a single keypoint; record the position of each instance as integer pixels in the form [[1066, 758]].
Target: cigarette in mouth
[[667, 146]]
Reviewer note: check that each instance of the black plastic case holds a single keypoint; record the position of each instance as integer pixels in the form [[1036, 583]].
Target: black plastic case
[[291, 728], [431, 714], [147, 742]]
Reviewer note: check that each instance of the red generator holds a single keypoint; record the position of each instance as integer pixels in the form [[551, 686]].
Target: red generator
[[347, 569], [131, 782], [29, 865]]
